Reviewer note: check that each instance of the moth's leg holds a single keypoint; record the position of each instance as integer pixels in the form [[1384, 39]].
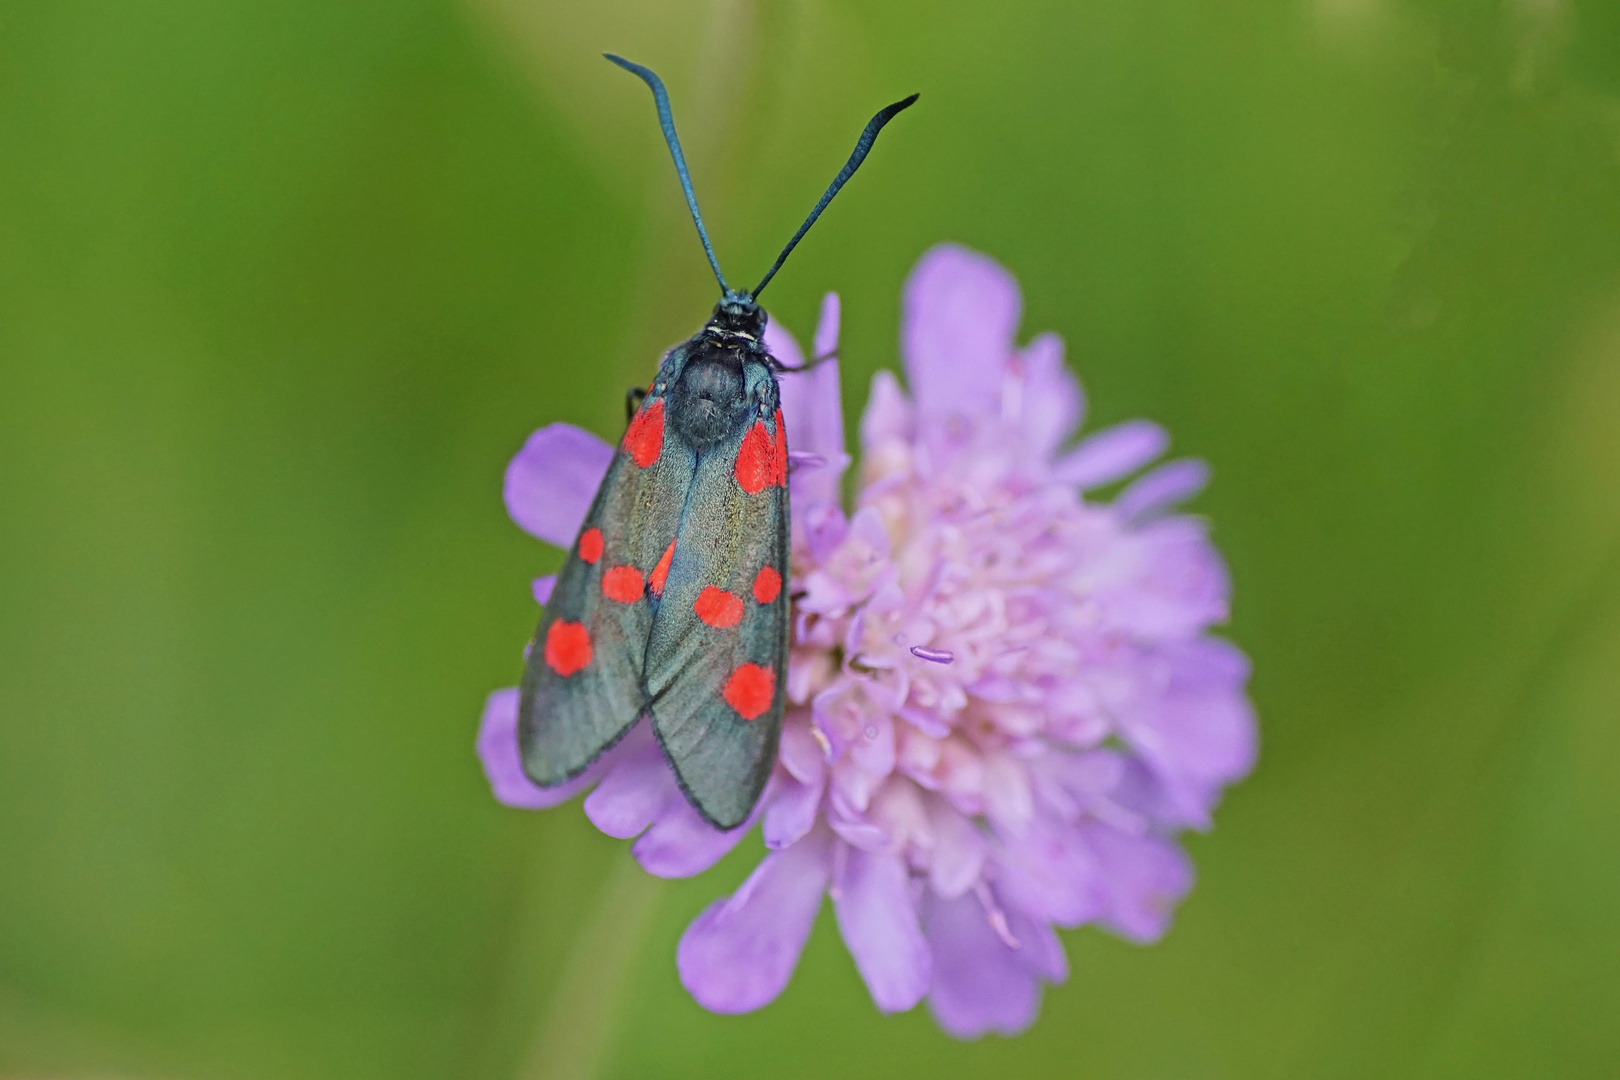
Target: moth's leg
[[807, 365], [633, 398]]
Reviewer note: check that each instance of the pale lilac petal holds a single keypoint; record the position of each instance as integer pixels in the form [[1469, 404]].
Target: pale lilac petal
[[959, 315], [635, 792], [878, 919], [827, 325], [543, 587], [1039, 949], [822, 525], [980, 984], [1051, 873], [1199, 734], [552, 480], [1143, 793], [867, 528], [1161, 580], [498, 750], [957, 858], [856, 831], [679, 843], [1070, 783], [1112, 454], [800, 754], [813, 413], [889, 414], [1145, 877], [1009, 803], [872, 749], [739, 954], [1171, 483], [1051, 402], [792, 813]]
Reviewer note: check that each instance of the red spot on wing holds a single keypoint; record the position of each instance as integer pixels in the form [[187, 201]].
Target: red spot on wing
[[661, 571], [568, 647], [590, 545], [718, 608], [624, 584], [781, 451], [756, 460], [749, 690], [767, 584], [645, 437]]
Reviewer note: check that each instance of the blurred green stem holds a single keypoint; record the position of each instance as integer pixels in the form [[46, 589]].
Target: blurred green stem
[[576, 1029]]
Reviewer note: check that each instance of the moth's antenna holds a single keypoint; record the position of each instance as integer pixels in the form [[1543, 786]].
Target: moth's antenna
[[863, 146], [667, 122]]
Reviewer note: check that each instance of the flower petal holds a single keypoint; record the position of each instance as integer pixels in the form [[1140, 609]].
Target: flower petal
[[878, 918], [1111, 454], [1145, 876], [740, 953], [1039, 949], [857, 831], [1051, 400], [551, 481], [827, 325], [957, 857], [1009, 803], [1199, 734], [813, 412], [888, 414], [635, 792], [498, 750], [960, 312], [1051, 873], [1161, 580], [679, 843], [1171, 483], [543, 587], [792, 813], [980, 984], [800, 753]]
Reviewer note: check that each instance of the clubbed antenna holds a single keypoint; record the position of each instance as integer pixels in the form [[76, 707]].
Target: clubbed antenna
[[863, 146], [667, 122]]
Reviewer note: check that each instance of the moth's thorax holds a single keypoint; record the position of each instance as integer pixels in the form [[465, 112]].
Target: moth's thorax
[[709, 399]]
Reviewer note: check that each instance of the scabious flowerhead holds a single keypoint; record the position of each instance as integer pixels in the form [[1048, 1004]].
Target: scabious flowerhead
[[1004, 703]]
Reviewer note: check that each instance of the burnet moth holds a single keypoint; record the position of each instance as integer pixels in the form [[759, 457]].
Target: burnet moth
[[672, 603]]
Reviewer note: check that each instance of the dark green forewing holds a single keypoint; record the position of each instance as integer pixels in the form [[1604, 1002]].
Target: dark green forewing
[[582, 683]]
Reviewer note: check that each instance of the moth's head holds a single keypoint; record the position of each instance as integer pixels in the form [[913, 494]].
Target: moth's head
[[737, 313]]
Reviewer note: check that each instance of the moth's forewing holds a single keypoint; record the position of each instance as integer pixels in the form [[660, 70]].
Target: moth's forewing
[[582, 682], [716, 663]]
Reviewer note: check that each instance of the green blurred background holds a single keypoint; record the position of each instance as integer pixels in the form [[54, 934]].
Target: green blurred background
[[283, 286]]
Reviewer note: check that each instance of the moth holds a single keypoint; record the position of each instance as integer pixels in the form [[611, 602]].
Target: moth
[[671, 605]]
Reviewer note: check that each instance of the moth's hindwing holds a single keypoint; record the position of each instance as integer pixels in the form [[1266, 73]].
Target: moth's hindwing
[[716, 663], [582, 683]]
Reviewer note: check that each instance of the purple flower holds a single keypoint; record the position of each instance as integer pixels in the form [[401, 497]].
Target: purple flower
[[1004, 704]]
